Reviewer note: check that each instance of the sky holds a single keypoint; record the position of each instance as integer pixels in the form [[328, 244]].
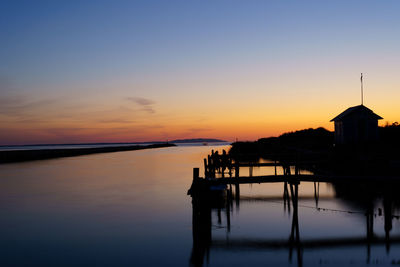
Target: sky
[[129, 71]]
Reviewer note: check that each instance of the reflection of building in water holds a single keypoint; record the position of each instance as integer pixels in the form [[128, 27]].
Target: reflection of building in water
[[363, 198]]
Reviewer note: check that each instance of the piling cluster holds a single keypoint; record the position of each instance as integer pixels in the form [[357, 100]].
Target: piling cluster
[[218, 163]]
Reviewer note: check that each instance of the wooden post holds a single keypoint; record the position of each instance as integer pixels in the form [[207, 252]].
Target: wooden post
[[230, 167], [210, 166], [237, 187], [195, 174], [205, 168], [236, 169], [296, 166]]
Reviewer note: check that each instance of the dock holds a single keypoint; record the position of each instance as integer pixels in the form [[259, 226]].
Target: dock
[[219, 189], [221, 169]]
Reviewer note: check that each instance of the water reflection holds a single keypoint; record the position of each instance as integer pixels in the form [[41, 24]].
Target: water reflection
[[370, 201]]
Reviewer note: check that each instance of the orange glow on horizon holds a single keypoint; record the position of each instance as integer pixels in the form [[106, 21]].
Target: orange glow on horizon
[[229, 125], [101, 118]]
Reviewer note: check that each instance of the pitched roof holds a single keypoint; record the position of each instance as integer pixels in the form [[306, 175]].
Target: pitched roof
[[356, 109]]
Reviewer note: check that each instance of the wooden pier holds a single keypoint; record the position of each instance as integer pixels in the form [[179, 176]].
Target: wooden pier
[[215, 191], [221, 169]]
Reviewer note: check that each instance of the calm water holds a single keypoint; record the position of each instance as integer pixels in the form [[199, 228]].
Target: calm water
[[131, 209]]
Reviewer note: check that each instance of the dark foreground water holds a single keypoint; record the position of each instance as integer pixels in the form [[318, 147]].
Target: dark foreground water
[[131, 209]]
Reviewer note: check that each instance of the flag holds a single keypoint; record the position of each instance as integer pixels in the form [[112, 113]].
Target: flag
[[361, 77]]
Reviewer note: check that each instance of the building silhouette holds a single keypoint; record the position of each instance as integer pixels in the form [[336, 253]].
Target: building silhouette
[[356, 125]]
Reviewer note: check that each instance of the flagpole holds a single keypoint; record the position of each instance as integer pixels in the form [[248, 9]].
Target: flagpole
[[362, 91]]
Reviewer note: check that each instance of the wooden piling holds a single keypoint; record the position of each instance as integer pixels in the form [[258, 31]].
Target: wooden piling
[[205, 168], [230, 167], [237, 187], [196, 174], [236, 169], [211, 166]]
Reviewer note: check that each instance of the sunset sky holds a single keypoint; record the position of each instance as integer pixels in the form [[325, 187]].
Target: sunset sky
[[125, 71]]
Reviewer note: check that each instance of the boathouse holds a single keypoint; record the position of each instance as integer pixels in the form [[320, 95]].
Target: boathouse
[[356, 125]]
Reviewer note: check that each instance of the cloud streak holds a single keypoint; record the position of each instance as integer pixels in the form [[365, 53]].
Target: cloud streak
[[17, 106], [145, 103], [116, 120]]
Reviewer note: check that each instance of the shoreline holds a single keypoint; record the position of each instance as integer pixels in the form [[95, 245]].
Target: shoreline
[[12, 156]]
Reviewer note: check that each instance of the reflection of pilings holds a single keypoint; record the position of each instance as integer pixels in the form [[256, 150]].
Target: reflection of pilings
[[294, 239], [387, 210], [201, 227], [286, 197], [228, 208], [230, 197], [370, 229], [239, 244], [316, 193], [237, 195], [219, 216], [370, 222], [237, 188], [294, 236]]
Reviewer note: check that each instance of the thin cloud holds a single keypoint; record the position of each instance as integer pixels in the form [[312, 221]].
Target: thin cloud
[[145, 103], [196, 131], [204, 129], [20, 106], [116, 121]]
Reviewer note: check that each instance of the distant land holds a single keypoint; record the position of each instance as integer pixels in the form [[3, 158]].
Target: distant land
[[40, 154], [21, 153], [197, 140], [79, 145]]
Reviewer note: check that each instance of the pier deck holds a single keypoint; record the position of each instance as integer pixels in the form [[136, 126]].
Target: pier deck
[[299, 178], [221, 169]]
